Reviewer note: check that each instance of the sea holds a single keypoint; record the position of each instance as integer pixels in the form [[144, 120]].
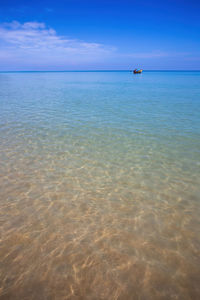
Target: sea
[[100, 185]]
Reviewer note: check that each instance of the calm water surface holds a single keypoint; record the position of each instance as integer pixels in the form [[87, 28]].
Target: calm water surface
[[100, 185]]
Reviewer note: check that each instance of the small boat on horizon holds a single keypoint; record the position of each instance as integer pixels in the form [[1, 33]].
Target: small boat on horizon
[[136, 71]]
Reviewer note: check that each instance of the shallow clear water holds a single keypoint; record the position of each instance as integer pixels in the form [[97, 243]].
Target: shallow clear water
[[100, 185]]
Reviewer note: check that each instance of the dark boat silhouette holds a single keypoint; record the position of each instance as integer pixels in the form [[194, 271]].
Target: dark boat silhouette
[[136, 71]]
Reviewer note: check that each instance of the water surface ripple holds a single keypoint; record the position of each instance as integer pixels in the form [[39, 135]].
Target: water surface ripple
[[100, 185]]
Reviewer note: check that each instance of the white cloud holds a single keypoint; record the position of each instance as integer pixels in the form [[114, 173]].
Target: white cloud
[[33, 43], [34, 46]]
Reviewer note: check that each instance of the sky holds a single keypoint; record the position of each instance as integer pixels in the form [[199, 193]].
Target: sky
[[99, 35]]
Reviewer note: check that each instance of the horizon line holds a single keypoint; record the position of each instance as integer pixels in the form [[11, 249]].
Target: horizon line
[[104, 70]]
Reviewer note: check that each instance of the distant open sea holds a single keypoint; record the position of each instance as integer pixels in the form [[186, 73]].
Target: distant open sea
[[100, 185]]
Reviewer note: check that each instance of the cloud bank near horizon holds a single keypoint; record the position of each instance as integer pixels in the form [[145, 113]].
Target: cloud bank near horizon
[[34, 44]]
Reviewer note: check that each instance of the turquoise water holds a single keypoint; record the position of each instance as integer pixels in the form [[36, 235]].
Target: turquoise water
[[100, 185]]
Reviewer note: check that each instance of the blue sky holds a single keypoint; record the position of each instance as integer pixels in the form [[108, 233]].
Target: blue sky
[[79, 35]]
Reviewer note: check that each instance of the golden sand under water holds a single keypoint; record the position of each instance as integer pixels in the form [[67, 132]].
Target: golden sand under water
[[87, 232]]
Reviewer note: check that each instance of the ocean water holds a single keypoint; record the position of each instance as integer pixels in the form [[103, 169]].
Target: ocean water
[[100, 185]]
